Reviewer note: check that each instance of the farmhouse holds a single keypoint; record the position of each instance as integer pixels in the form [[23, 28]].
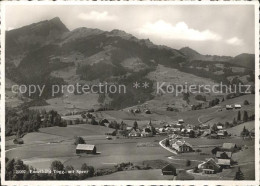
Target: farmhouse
[[134, 133], [209, 167], [86, 148], [182, 147], [229, 107], [219, 127], [237, 106], [169, 170], [206, 133], [231, 147], [180, 121], [204, 126], [224, 163], [222, 133]]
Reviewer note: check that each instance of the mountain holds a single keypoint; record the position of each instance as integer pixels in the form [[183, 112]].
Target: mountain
[[47, 53], [194, 55], [244, 60], [27, 38]]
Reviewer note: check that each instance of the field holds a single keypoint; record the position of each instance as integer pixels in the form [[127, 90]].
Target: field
[[154, 174], [57, 143]]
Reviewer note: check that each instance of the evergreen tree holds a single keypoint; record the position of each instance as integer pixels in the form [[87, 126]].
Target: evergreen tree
[[238, 116], [239, 175], [135, 125], [245, 118]]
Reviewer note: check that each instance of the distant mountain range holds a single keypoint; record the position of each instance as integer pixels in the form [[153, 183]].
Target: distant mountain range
[[39, 53]]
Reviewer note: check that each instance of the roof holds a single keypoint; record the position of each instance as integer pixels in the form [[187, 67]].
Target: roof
[[129, 128], [218, 154], [180, 143], [223, 162], [219, 127], [169, 167], [228, 145], [211, 160], [237, 105], [85, 147]]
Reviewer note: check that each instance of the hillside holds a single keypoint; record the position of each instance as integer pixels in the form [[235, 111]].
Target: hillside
[[47, 53], [194, 55]]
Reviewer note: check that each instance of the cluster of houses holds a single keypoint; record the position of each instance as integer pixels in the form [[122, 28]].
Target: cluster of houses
[[137, 132], [222, 160], [235, 106]]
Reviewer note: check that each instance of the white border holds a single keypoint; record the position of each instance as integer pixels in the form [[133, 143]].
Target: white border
[[128, 182]]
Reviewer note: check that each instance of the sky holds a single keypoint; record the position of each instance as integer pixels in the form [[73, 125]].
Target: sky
[[208, 29]]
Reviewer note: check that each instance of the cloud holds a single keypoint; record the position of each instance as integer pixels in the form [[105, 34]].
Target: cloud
[[234, 41], [97, 16], [179, 31], [10, 28]]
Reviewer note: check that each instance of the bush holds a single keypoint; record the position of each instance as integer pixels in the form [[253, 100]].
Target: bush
[[246, 102], [18, 141], [188, 163], [79, 140]]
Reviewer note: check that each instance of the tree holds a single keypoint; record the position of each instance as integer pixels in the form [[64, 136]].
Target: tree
[[84, 168], [238, 116], [79, 140], [93, 121], [245, 117], [167, 143], [239, 175], [246, 102], [57, 166], [188, 163], [192, 134], [245, 132], [214, 127], [234, 121], [135, 125], [215, 150]]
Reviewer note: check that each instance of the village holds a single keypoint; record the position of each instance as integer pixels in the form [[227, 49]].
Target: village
[[177, 138]]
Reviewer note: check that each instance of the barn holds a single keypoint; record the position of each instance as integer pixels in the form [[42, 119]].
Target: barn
[[86, 148], [169, 170]]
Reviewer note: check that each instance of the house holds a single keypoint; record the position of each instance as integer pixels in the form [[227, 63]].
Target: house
[[129, 128], [206, 133], [134, 133], [209, 167], [219, 127], [224, 159], [180, 121], [146, 134], [252, 133], [221, 133], [182, 147], [137, 111], [169, 170], [204, 126], [231, 147], [237, 106], [147, 112], [229, 107], [86, 148], [224, 163]]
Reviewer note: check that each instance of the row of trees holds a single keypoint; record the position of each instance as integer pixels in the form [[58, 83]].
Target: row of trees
[[20, 123], [57, 171]]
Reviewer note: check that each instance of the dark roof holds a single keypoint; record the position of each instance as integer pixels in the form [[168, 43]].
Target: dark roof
[[219, 153], [169, 170]]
